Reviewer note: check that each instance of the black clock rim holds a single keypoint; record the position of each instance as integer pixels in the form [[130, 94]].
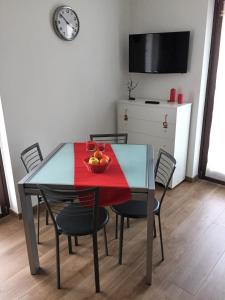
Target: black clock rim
[[55, 25]]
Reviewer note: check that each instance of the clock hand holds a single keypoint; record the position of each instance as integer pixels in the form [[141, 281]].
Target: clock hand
[[66, 21]]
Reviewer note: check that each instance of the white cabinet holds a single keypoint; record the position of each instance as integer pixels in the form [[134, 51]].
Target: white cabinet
[[163, 125]]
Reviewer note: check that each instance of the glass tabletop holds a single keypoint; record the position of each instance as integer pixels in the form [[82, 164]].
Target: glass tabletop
[[136, 162]]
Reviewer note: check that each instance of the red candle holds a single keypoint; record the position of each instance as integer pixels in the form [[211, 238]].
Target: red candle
[[180, 98], [172, 95]]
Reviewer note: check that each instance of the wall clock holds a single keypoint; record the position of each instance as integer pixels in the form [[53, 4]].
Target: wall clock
[[66, 23]]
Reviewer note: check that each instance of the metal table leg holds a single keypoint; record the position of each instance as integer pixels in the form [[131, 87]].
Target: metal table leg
[[29, 228], [150, 201]]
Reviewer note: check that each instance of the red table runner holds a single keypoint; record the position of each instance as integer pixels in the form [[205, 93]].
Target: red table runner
[[113, 185]]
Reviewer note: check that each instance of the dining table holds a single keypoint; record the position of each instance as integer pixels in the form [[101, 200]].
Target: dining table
[[57, 172]]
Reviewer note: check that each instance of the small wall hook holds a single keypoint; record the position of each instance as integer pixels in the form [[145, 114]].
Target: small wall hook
[[125, 115]]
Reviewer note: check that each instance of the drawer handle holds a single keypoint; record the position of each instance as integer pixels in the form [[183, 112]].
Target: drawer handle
[[125, 115], [165, 123]]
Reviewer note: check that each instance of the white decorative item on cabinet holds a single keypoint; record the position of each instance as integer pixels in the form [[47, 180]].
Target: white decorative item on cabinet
[[164, 125]]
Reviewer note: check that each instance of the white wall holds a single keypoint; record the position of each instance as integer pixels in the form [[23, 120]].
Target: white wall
[[178, 15], [52, 90]]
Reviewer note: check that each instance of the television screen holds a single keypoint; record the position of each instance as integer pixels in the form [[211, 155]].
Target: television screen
[[159, 52]]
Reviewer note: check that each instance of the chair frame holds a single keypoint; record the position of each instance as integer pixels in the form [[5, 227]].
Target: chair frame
[[40, 200], [105, 137], [45, 190], [157, 212], [28, 169], [28, 149], [173, 160]]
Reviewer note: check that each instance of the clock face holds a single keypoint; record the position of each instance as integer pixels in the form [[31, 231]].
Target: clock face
[[66, 23]]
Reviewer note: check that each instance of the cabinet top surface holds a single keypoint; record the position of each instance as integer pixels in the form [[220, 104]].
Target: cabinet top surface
[[162, 103]]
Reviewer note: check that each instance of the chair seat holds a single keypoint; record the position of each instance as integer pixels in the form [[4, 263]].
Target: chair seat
[[73, 220], [135, 209]]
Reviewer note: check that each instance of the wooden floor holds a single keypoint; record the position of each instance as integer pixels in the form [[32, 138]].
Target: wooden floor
[[193, 218]]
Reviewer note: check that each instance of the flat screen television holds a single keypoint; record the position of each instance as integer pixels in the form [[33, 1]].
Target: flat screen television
[[165, 52]]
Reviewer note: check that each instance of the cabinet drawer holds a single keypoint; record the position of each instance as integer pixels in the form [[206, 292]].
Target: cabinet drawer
[[151, 112], [147, 127]]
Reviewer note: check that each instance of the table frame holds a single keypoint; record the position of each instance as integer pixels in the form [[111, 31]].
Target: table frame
[[26, 190]]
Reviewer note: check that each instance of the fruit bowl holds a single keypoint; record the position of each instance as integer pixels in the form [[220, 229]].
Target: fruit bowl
[[96, 168]]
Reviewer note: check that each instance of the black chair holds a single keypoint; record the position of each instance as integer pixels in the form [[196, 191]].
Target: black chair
[[164, 169], [112, 138], [31, 158], [76, 213]]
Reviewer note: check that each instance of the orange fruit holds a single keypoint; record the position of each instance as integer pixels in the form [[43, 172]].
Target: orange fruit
[[98, 154], [103, 162], [105, 157]]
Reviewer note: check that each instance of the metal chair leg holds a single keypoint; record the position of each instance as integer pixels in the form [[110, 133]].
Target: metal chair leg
[[105, 240], [38, 222], [46, 217], [116, 230], [121, 240], [154, 228], [76, 241], [128, 223], [161, 240], [96, 266], [70, 245], [57, 261]]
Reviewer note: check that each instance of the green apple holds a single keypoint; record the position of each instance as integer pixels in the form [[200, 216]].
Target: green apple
[[93, 161]]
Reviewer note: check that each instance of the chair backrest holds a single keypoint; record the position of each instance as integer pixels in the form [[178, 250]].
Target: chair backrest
[[111, 138], [71, 203], [164, 169], [31, 157]]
